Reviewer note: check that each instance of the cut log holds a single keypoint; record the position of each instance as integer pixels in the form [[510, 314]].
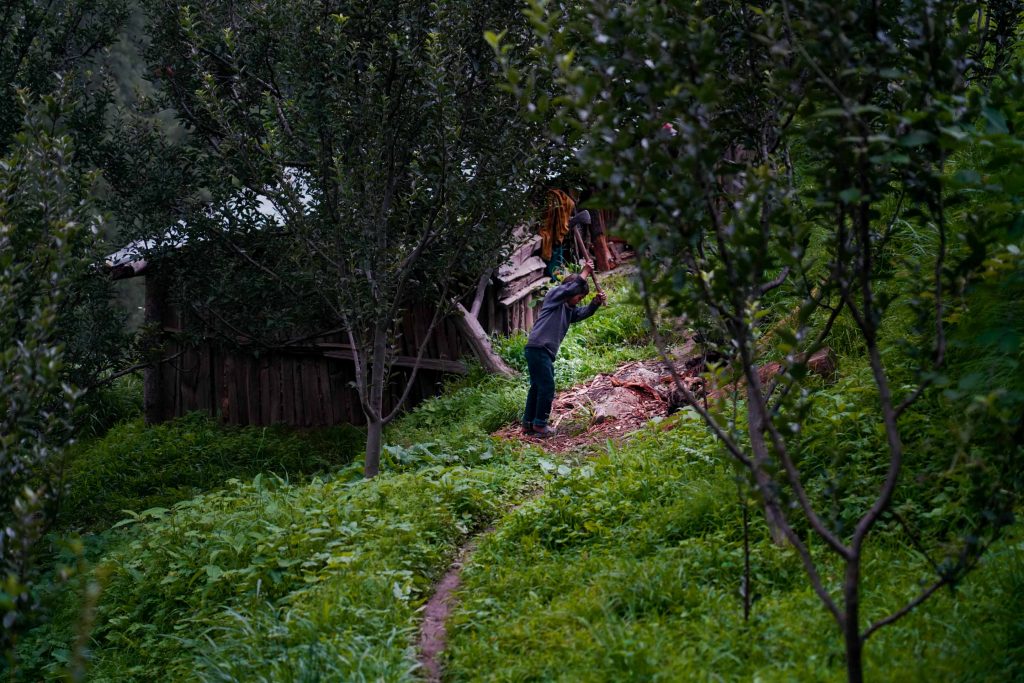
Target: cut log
[[473, 334], [823, 363]]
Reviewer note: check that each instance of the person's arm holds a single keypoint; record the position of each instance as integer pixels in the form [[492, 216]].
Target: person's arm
[[565, 291], [583, 312]]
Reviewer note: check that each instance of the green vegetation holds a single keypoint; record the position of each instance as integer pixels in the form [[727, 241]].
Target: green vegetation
[[272, 581], [276, 580], [792, 176], [135, 467], [109, 405], [631, 567], [627, 567], [611, 576]]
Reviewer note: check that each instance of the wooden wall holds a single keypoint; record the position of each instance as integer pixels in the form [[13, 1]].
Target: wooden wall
[[304, 386], [312, 385]]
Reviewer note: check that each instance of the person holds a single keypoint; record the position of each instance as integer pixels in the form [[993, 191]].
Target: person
[[559, 309]]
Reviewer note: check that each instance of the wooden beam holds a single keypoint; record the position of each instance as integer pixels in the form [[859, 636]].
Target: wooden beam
[[507, 276], [438, 364], [529, 289]]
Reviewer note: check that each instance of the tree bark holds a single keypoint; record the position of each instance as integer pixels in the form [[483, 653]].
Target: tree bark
[[851, 624], [480, 343], [375, 414], [374, 434], [755, 429]]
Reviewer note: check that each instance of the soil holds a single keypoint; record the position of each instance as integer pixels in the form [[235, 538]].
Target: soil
[[612, 406], [433, 632]]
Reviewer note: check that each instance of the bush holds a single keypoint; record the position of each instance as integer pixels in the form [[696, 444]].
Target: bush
[[272, 581], [110, 405], [135, 467]]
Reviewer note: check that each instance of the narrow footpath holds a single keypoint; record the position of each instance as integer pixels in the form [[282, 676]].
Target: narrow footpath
[[609, 406]]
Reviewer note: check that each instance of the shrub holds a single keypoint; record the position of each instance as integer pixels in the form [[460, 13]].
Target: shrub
[[135, 467]]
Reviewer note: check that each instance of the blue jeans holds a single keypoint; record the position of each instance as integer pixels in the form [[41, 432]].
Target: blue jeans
[[542, 386]]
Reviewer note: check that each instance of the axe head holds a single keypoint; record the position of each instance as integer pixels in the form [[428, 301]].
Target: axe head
[[581, 218]]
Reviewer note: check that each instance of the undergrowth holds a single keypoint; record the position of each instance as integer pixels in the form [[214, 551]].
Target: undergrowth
[[271, 579], [136, 467], [630, 568]]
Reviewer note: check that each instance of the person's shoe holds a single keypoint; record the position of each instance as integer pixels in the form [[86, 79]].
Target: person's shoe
[[527, 428], [543, 432]]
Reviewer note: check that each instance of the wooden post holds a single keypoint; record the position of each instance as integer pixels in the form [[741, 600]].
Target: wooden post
[[473, 334], [152, 386]]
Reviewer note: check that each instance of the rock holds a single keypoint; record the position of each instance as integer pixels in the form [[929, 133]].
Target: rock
[[617, 404], [639, 375], [823, 363]]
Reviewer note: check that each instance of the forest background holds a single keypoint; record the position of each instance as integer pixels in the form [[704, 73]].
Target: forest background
[[793, 175]]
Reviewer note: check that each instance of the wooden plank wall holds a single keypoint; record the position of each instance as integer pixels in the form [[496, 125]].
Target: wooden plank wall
[[299, 388], [506, 320]]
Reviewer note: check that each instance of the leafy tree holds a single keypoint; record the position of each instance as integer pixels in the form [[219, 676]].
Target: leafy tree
[[43, 224], [41, 43], [393, 166], [904, 118], [57, 49]]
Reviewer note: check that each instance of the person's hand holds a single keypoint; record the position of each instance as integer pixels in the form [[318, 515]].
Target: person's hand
[[588, 265], [602, 298]]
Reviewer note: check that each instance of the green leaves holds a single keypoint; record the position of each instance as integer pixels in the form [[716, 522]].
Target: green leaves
[[349, 563], [45, 228], [995, 121]]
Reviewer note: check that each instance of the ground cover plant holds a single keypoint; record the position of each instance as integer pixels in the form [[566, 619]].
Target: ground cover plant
[[631, 568], [136, 467], [268, 579]]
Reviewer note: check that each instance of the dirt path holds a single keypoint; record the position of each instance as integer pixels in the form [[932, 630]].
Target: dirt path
[[433, 629], [609, 406], [612, 406]]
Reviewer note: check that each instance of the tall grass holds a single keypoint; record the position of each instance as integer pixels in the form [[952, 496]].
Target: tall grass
[[287, 578], [135, 467]]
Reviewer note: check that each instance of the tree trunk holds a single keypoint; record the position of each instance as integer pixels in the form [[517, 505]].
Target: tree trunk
[[375, 414], [851, 626], [374, 432], [480, 343], [755, 429], [603, 254]]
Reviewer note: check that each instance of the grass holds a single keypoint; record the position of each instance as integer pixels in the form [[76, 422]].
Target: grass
[[135, 467], [630, 569], [264, 579], [627, 567]]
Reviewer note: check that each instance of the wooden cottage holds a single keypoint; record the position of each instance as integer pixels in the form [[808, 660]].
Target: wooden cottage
[[310, 382]]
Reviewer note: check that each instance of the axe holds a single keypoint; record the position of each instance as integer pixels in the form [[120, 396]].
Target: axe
[[583, 217]]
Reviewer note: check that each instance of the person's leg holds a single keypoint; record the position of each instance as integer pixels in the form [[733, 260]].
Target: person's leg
[[531, 407], [531, 397], [545, 381]]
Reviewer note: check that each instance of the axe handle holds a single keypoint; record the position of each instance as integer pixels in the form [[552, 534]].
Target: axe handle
[[586, 254]]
